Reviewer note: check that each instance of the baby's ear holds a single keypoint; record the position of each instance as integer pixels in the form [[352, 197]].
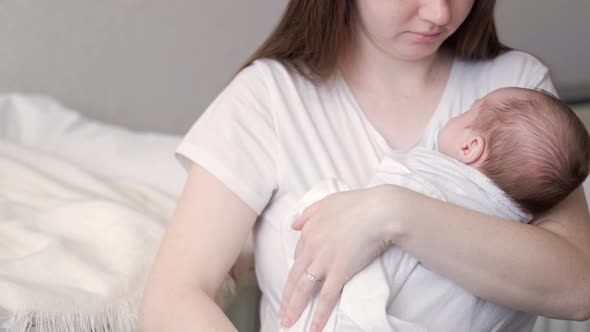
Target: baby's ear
[[472, 150]]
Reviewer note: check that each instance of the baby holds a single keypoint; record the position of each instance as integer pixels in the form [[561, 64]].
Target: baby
[[515, 153], [529, 143]]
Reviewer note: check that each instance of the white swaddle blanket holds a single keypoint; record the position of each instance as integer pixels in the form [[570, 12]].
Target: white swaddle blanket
[[75, 248], [397, 293]]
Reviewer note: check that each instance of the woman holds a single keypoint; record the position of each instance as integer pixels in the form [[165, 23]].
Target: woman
[[336, 86]]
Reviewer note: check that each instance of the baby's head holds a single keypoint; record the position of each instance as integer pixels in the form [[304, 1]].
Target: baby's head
[[527, 142]]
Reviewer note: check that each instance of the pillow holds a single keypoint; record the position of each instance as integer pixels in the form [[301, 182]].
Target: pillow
[[109, 150]]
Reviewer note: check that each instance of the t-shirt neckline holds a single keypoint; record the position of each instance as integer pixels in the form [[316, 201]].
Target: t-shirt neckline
[[376, 134]]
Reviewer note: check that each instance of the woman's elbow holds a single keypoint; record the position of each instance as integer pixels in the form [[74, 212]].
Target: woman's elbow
[[580, 314], [577, 298], [582, 291], [568, 303], [583, 315], [582, 309]]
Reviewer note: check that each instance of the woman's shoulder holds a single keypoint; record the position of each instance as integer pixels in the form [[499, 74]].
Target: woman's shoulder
[[259, 81], [271, 79], [264, 66], [268, 70], [511, 68], [268, 79], [516, 57], [509, 60], [519, 62]]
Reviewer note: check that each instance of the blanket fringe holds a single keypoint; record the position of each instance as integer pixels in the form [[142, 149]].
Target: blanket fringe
[[120, 317]]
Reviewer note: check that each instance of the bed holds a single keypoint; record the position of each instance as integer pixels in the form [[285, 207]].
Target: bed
[[105, 90], [83, 205]]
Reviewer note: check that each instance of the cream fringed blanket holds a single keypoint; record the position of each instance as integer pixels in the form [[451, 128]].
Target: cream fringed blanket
[[75, 249]]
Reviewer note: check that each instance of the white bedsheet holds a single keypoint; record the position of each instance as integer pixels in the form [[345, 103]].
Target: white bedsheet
[[74, 248], [83, 206], [114, 151]]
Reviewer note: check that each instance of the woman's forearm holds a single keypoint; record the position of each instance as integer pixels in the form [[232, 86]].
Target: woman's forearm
[[191, 311], [525, 267]]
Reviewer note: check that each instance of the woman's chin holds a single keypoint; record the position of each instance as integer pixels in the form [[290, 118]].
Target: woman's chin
[[416, 52]]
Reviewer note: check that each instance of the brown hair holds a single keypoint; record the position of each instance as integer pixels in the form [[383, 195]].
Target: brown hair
[[311, 34], [538, 149]]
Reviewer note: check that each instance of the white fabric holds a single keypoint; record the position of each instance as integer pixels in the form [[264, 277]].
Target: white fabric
[[42, 122], [395, 290], [75, 249], [82, 207], [271, 135], [71, 243]]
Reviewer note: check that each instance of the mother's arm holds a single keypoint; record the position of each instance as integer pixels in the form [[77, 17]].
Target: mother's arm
[[202, 241], [543, 268]]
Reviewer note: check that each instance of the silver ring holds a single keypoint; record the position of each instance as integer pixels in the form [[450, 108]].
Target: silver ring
[[312, 278]]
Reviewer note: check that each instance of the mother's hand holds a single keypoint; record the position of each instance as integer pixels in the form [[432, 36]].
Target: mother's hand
[[340, 235]]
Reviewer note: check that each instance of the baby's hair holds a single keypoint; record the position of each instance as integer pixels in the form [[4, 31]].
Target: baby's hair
[[538, 150]]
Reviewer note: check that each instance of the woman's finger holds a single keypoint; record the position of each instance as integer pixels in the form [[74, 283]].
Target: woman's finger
[[304, 216], [299, 247], [307, 285], [329, 296], [297, 270]]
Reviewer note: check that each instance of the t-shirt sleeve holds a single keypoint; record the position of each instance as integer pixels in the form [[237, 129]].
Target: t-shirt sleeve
[[515, 68], [235, 139], [539, 77]]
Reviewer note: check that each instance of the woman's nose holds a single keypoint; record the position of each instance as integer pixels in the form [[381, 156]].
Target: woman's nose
[[435, 11]]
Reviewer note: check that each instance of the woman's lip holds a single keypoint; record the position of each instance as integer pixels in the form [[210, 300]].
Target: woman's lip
[[426, 37], [429, 34]]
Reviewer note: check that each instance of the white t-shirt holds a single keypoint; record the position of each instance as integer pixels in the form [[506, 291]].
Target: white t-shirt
[[272, 134]]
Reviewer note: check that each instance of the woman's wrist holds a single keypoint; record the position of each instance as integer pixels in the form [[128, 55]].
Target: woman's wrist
[[393, 214]]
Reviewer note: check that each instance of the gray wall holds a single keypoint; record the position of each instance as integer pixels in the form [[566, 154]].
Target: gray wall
[[143, 64], [157, 64], [558, 32]]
